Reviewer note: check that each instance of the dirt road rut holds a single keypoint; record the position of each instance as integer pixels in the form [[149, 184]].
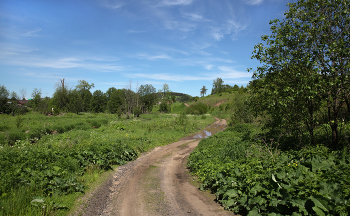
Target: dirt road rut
[[157, 183]]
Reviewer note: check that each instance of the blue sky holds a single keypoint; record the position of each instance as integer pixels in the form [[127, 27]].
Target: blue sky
[[184, 43]]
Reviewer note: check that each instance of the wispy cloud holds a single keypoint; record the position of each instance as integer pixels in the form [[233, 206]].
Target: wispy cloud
[[253, 2], [230, 27], [98, 64], [32, 33], [111, 4], [175, 2], [167, 77], [179, 25], [168, 49], [209, 67], [153, 57], [195, 17], [231, 73], [224, 72]]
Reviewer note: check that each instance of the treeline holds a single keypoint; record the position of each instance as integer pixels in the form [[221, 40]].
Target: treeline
[[82, 99]]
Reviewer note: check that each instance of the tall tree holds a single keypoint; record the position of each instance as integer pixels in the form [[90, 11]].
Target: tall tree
[[84, 85], [218, 86], [75, 101], [116, 102], [148, 96], [61, 97], [36, 97], [98, 101], [203, 91], [4, 94], [109, 92], [84, 89], [306, 60]]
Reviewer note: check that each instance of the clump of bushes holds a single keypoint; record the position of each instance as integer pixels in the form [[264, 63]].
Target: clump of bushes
[[197, 109], [164, 107]]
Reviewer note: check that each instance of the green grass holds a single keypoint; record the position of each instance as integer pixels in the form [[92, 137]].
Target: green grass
[[56, 168]]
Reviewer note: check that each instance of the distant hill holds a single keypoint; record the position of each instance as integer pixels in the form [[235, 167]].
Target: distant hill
[[178, 94]]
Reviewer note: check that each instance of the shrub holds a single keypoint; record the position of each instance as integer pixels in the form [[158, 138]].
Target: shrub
[[164, 107], [197, 109]]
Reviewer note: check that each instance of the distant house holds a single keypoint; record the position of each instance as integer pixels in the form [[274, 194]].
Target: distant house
[[22, 102]]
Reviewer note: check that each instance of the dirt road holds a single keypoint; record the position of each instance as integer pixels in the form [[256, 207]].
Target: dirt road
[[157, 183]]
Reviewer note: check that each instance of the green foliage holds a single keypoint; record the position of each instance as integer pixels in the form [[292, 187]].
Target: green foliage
[[203, 91], [178, 108], [164, 107], [98, 101], [218, 86], [19, 121], [181, 119], [116, 101], [304, 67], [148, 96], [184, 98], [197, 109], [260, 180], [54, 157]]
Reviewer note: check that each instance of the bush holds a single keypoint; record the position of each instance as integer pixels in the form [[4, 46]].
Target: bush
[[164, 107], [197, 109]]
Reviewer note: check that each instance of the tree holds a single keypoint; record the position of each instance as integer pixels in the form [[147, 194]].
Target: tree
[[165, 92], [98, 101], [148, 96], [109, 92], [4, 94], [14, 96], [36, 97], [75, 101], [217, 86], [203, 91], [306, 61], [84, 89], [116, 102], [61, 97], [83, 85]]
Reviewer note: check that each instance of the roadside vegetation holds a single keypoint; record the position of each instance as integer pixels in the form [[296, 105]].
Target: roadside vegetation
[[44, 170], [286, 150]]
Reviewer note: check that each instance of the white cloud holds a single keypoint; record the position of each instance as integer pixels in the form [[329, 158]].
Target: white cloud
[[99, 64], [153, 57], [230, 73], [253, 2], [195, 17], [112, 4], [178, 25], [226, 73], [230, 27], [209, 67], [175, 2], [168, 77], [32, 32]]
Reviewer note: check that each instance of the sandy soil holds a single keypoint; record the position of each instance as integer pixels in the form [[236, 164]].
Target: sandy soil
[[157, 183]]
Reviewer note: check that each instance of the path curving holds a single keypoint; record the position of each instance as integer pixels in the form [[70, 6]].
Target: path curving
[[157, 183]]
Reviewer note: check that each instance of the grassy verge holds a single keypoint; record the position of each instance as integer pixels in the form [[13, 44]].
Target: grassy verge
[[46, 175]]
